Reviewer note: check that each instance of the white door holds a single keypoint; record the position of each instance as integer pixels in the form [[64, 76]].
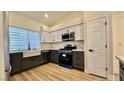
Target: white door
[[97, 46]]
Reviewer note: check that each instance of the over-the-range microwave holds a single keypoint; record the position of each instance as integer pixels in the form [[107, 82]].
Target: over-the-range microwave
[[68, 36]]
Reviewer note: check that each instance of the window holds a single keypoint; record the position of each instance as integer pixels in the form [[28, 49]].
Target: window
[[34, 39], [22, 39]]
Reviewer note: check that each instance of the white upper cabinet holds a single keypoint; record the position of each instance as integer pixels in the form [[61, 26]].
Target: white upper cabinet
[[56, 36], [42, 37], [79, 32], [59, 35], [45, 36], [53, 36]]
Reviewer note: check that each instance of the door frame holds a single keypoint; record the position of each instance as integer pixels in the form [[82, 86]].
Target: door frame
[[109, 45]]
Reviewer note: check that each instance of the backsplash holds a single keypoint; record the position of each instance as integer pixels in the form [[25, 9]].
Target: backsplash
[[45, 46], [58, 45]]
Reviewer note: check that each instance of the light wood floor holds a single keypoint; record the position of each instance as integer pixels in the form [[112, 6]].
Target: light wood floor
[[53, 72]]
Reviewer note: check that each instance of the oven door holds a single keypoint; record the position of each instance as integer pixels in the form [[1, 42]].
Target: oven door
[[65, 59]]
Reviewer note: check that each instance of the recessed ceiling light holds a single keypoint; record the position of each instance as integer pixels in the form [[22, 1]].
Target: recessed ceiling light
[[46, 15]]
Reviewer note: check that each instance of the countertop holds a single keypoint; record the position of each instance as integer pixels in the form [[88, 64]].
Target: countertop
[[41, 50], [120, 58], [11, 52], [78, 50]]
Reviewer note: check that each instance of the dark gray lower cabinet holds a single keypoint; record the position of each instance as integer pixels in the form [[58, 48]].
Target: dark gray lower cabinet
[[78, 59], [54, 56], [15, 62], [45, 55], [31, 62], [121, 71], [19, 63]]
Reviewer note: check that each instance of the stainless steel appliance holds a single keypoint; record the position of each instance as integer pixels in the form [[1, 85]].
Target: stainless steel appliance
[[68, 36], [65, 56]]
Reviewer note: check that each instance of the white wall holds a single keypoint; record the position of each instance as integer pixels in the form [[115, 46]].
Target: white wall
[[2, 74], [118, 38], [25, 22]]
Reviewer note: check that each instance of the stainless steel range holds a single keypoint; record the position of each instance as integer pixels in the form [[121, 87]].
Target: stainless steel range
[[65, 56]]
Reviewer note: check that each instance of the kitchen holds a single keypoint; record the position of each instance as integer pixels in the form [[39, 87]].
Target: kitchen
[[57, 45], [52, 46]]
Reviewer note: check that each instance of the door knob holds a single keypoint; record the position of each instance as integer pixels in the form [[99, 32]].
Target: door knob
[[91, 50]]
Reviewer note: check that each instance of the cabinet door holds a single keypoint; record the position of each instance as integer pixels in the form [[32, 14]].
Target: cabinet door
[[79, 32], [54, 36], [15, 62], [45, 56], [27, 63], [78, 59], [37, 60], [45, 36], [42, 36], [58, 37], [50, 37], [54, 56]]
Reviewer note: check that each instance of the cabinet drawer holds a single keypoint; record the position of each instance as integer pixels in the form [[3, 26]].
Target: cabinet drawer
[[78, 59], [27, 63], [36, 60], [78, 65]]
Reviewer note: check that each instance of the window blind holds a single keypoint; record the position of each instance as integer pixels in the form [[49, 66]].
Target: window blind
[[18, 39]]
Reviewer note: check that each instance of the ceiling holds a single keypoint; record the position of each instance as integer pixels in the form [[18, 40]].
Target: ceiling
[[54, 16]]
